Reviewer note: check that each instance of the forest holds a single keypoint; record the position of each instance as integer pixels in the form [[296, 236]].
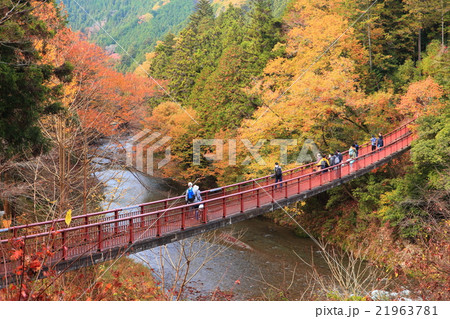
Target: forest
[[136, 25], [335, 72]]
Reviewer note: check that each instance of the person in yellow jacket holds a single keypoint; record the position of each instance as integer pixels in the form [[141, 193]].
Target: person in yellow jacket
[[322, 162]]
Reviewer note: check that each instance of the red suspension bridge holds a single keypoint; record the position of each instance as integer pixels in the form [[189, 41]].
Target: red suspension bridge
[[101, 236]]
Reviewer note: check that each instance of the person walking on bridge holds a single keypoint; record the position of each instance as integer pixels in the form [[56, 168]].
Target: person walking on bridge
[[190, 194], [339, 156], [373, 142], [351, 155], [197, 199], [322, 162], [356, 146], [278, 175], [380, 142]]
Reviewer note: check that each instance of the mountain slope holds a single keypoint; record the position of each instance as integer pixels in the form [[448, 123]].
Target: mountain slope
[[136, 25]]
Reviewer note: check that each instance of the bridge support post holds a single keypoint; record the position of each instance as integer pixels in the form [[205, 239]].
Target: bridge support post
[[131, 239], [116, 224], [183, 218], [165, 213], [286, 190], [273, 194], [64, 245], [158, 225], [100, 238], [204, 213], [86, 222], [224, 208], [257, 198], [142, 218], [242, 202]]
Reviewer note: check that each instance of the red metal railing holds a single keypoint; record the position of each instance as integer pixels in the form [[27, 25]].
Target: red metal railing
[[114, 214], [140, 223]]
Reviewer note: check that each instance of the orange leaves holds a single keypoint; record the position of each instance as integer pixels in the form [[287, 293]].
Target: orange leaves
[[35, 265], [422, 98], [171, 119], [16, 254], [103, 98]]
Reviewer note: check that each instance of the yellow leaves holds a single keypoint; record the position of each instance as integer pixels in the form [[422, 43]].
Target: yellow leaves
[[171, 119], [6, 223], [68, 218]]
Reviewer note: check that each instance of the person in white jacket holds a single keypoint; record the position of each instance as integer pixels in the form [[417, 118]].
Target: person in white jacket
[[197, 199]]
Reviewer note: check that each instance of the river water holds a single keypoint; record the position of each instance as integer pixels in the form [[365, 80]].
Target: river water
[[263, 263]]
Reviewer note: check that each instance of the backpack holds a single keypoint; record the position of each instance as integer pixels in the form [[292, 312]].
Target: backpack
[[352, 153], [191, 195], [380, 142], [278, 171], [337, 160], [333, 160]]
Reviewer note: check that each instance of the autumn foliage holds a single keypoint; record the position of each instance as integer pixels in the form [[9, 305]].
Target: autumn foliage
[[105, 100]]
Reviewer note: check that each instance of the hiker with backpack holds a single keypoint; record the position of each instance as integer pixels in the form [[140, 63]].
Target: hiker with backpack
[[278, 175], [339, 158], [333, 159], [380, 142], [373, 142], [190, 197], [356, 146], [351, 155], [322, 162], [197, 199]]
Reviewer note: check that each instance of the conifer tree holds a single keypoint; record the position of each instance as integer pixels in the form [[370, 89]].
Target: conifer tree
[[162, 55], [182, 70], [222, 101], [262, 33], [202, 17], [23, 94]]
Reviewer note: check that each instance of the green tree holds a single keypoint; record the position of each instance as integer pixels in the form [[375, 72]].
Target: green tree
[[262, 33], [183, 68], [202, 18], [221, 100], [23, 94], [422, 196], [162, 55]]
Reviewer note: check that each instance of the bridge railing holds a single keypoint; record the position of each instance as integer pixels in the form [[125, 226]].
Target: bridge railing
[[82, 240], [154, 206]]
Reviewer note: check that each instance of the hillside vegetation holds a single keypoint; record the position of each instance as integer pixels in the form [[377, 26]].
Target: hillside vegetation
[[136, 25], [312, 76], [335, 72]]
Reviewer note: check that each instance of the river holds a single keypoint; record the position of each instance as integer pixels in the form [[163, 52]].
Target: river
[[263, 263]]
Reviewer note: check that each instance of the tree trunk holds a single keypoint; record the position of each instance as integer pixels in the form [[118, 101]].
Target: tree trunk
[[62, 166], [9, 212], [419, 45], [370, 41], [442, 24]]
